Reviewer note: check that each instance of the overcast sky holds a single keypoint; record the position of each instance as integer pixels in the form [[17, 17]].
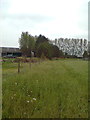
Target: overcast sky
[[52, 18]]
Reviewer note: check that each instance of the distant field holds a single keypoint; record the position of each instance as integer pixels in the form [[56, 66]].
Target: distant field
[[51, 89]]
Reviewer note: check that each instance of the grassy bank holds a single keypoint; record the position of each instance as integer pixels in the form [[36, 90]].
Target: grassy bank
[[51, 89]]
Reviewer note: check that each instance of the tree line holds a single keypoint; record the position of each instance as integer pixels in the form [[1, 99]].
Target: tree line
[[40, 45], [72, 46]]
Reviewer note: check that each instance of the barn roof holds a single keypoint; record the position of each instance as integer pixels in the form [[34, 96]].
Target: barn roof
[[9, 49]]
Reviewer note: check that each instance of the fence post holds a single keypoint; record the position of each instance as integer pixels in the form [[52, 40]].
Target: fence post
[[30, 62], [18, 66]]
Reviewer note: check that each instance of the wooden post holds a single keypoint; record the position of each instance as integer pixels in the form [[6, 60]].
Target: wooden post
[[18, 66], [30, 62]]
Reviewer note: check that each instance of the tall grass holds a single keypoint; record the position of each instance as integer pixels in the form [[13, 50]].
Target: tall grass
[[51, 89]]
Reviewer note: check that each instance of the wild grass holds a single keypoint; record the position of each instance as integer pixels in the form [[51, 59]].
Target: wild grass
[[51, 89]]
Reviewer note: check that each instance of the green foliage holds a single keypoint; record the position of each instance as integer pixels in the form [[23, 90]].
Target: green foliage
[[44, 48], [85, 55], [27, 43], [40, 45], [41, 39], [56, 52], [61, 54], [48, 50]]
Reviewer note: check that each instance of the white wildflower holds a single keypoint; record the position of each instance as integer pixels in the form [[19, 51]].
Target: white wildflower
[[14, 94], [15, 83], [34, 99], [31, 91], [28, 101]]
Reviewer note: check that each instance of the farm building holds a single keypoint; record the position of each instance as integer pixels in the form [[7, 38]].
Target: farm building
[[9, 50]]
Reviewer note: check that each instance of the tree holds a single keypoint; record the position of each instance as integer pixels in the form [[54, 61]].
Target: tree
[[85, 55], [56, 52], [31, 44], [44, 49], [27, 43], [61, 54], [41, 39], [55, 41]]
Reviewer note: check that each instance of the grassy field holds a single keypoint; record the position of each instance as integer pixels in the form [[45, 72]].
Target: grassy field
[[51, 89]]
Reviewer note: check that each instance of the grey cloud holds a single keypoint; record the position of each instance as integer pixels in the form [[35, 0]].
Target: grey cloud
[[34, 17]]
